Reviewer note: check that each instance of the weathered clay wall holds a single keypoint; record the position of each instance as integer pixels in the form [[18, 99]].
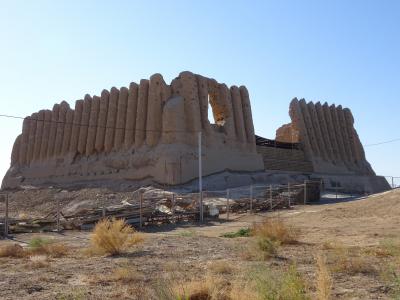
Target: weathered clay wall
[[141, 131], [328, 137], [287, 133]]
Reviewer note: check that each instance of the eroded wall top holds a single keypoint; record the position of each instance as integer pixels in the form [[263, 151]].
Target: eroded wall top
[[148, 113], [328, 137], [148, 130]]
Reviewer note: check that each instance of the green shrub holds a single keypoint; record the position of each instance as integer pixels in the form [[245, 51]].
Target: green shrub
[[242, 232], [268, 247], [38, 242], [286, 285]]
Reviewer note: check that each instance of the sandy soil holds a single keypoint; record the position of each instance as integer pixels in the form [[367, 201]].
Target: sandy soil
[[186, 251]]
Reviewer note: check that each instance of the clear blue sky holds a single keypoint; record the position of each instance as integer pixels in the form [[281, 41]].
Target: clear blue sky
[[343, 52]]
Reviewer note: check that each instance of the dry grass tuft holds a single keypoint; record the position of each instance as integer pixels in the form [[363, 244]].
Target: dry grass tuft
[[38, 261], [221, 267], [324, 279], [276, 230], [125, 275], [54, 250], [208, 288], [74, 293], [14, 250], [113, 237], [269, 236], [258, 284], [349, 261], [332, 245], [386, 248], [48, 249], [244, 290]]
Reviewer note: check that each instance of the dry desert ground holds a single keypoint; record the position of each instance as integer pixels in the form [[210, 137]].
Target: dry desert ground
[[343, 250]]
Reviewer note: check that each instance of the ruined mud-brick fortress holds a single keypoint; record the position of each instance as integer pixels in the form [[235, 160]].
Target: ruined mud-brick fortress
[[148, 134]]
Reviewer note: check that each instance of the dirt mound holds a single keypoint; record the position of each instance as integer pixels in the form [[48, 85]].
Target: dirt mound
[[38, 203], [361, 222], [381, 205]]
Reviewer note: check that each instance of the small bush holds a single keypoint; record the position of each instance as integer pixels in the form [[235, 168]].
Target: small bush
[[270, 234], [187, 233], [324, 280], [276, 230], [113, 236], [391, 275], [14, 250], [287, 285], [269, 248], [41, 246], [76, 293], [38, 242], [242, 232]]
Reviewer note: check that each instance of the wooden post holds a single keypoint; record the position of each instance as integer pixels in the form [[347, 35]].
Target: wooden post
[[140, 210], [270, 196], [305, 192], [392, 182], [288, 188], [227, 204], [251, 199]]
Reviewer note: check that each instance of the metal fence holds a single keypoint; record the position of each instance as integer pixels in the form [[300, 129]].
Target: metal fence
[[4, 222], [152, 207], [394, 181]]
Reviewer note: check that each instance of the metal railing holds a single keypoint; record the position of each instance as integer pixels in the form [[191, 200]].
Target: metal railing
[[150, 207], [394, 181]]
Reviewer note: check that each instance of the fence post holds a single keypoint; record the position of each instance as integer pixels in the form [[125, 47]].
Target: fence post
[[251, 199], [321, 185], [201, 207], [140, 210], [103, 209], [288, 188], [173, 207], [336, 189], [6, 218], [227, 204], [305, 192], [392, 182], [270, 196], [58, 214]]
